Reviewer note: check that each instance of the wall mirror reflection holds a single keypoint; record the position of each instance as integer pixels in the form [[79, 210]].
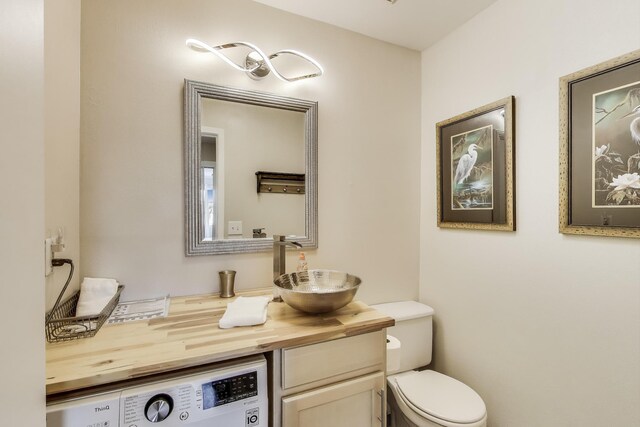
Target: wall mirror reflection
[[251, 169]]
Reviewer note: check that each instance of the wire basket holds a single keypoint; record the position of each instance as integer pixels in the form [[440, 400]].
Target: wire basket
[[63, 326]]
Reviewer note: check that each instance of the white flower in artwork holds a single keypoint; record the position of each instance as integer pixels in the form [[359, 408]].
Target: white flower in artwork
[[628, 180], [601, 150]]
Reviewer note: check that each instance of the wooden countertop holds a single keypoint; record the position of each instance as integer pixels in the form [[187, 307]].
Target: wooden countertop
[[189, 336]]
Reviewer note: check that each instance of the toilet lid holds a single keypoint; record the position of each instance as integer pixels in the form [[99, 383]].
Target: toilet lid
[[442, 397]]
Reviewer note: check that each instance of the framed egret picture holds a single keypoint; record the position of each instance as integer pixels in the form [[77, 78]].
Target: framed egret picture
[[600, 149], [475, 169]]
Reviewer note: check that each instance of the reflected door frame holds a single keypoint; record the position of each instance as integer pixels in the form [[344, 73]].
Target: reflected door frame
[[218, 133]]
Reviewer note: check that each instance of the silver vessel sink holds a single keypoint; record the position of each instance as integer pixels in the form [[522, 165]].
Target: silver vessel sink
[[317, 291]]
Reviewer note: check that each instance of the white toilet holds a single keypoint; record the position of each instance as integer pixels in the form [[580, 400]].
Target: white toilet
[[424, 398]]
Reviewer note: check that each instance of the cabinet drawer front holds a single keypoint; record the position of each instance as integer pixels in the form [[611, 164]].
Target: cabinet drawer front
[[304, 365], [354, 403]]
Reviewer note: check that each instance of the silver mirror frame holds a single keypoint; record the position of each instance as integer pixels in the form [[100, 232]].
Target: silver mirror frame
[[194, 91]]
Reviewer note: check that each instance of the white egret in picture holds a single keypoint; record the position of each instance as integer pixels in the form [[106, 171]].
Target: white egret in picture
[[465, 164], [616, 147], [634, 127], [472, 169]]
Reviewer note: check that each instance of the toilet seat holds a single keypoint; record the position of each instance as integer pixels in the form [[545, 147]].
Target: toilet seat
[[440, 398]]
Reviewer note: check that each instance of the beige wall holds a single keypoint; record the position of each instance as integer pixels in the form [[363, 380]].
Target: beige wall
[[62, 137], [545, 326], [22, 213], [134, 61]]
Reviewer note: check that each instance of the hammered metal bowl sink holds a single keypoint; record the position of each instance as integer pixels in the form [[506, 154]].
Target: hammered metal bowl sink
[[317, 291]]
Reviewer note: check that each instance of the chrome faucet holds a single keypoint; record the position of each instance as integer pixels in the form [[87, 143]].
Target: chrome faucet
[[279, 259]]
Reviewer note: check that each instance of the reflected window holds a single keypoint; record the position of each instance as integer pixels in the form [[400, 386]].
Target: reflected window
[[209, 200], [209, 170]]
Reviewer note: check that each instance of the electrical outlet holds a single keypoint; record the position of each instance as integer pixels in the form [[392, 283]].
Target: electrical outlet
[[48, 255], [52, 245], [234, 228], [57, 241]]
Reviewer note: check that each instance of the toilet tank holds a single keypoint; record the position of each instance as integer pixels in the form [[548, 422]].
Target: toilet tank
[[414, 329]]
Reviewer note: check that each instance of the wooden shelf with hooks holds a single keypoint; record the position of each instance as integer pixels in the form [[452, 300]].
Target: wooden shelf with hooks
[[280, 182]]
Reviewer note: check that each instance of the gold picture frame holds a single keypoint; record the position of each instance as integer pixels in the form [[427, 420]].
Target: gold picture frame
[[476, 170], [599, 151]]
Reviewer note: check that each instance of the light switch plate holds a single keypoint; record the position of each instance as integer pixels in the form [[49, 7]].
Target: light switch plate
[[234, 228]]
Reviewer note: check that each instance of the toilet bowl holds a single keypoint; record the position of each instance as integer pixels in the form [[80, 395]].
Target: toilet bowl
[[424, 398], [430, 399]]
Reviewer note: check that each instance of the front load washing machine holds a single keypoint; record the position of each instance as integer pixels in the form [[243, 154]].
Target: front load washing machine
[[229, 395]]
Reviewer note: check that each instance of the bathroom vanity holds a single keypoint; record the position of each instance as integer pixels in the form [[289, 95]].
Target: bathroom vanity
[[320, 366], [331, 383]]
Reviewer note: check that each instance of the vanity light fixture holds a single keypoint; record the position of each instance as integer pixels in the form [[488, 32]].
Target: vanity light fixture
[[257, 63]]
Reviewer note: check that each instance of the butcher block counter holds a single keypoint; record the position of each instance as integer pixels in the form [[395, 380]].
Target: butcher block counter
[[189, 336]]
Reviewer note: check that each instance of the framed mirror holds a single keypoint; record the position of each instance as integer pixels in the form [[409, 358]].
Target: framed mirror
[[251, 169]]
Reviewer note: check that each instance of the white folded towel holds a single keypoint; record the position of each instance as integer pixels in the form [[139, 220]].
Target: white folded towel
[[95, 294], [245, 311]]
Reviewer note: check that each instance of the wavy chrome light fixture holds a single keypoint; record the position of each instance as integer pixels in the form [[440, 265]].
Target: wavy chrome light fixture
[[257, 63]]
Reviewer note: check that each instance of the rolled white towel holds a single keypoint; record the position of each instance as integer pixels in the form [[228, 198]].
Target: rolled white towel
[[95, 294], [245, 311]]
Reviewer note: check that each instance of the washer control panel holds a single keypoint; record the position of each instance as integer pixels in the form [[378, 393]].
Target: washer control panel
[[154, 406], [228, 390], [230, 396]]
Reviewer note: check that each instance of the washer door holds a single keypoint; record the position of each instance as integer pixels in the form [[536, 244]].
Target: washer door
[[442, 397]]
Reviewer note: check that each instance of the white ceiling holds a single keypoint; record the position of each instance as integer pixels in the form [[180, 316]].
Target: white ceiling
[[415, 24]]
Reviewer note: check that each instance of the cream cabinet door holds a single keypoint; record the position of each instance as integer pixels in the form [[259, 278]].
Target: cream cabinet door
[[359, 402]]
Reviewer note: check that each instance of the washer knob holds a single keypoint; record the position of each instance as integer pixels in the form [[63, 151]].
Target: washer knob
[[158, 408]]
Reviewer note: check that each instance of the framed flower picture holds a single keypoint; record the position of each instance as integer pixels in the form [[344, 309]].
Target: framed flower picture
[[600, 149], [475, 168]]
